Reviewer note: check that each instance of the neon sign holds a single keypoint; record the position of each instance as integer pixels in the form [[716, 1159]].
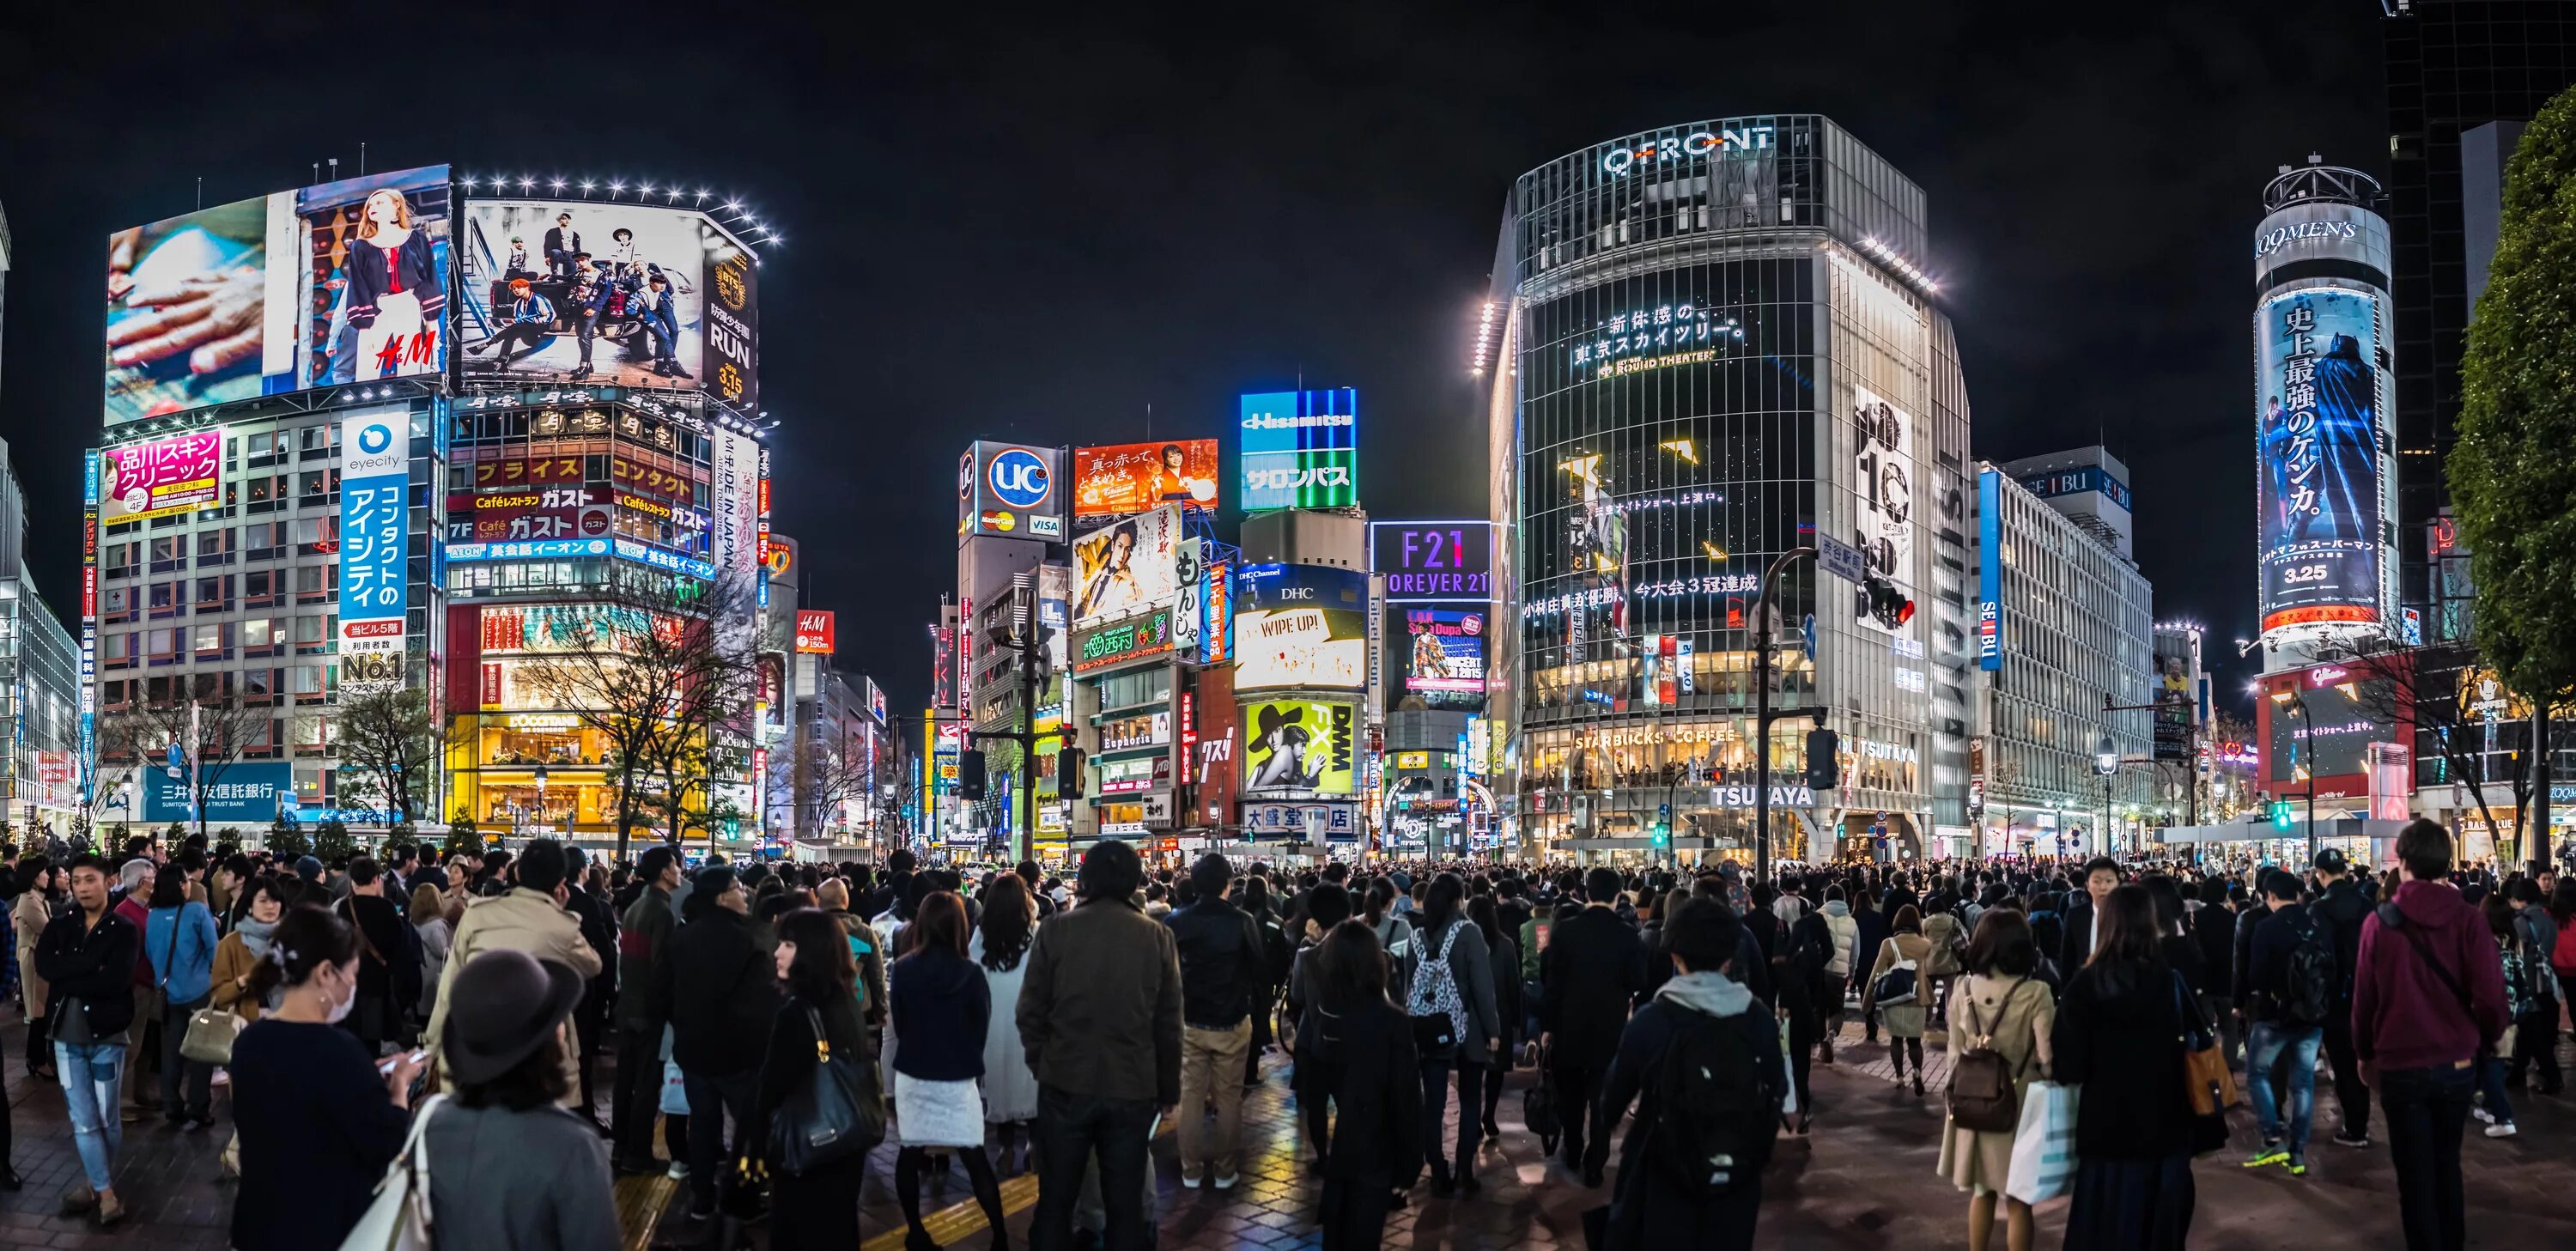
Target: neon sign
[[1618, 161]]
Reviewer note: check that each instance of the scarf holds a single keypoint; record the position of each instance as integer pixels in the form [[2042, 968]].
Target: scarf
[[254, 936]]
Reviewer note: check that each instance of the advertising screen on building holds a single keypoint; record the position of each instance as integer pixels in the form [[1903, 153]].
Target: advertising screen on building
[[1133, 477], [2320, 383], [1429, 561], [814, 632], [172, 475], [1128, 566], [1445, 664], [1300, 627], [1135, 638], [2349, 716], [1300, 449], [638, 315], [1011, 490], [375, 479], [1883, 481], [243, 792], [342, 282], [1299, 746]]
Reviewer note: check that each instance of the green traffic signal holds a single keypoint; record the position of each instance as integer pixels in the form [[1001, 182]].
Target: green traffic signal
[[2280, 814]]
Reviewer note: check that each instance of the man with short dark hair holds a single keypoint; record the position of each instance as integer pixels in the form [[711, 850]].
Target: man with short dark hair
[[1593, 966], [2428, 1000], [721, 988], [531, 918], [2282, 1032], [643, 942], [1220, 954], [1117, 972], [2101, 877], [2339, 909], [86, 956]]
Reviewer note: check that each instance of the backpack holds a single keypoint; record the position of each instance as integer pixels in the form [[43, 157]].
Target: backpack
[[1433, 1002], [1981, 1084], [1717, 1105], [2307, 984]]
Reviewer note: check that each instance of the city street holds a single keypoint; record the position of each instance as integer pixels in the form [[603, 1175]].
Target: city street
[[1864, 1179]]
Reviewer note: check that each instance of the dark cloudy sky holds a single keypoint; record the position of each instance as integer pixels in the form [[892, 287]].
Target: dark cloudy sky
[[1040, 226]]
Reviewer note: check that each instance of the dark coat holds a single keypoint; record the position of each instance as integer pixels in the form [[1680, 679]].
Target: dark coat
[[2213, 930], [94, 964], [2119, 1035], [1646, 1212], [2075, 942], [1100, 1009], [1222, 961], [1594, 964], [942, 1009], [2341, 910], [643, 944], [1363, 1060], [723, 991]]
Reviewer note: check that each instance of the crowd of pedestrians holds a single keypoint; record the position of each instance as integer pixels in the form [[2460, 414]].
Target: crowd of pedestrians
[[778, 1021]]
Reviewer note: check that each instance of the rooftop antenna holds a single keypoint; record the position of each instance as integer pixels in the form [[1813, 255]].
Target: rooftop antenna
[[1149, 421], [335, 168], [362, 158], [201, 191]]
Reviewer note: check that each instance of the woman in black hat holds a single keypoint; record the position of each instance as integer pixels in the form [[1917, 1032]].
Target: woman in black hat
[[318, 1119], [509, 1165]]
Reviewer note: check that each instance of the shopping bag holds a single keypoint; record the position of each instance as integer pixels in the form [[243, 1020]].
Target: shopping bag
[[675, 1092], [397, 1219], [2043, 1154]]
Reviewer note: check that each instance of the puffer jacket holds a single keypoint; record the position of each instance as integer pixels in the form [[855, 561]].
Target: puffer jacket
[[1846, 932]]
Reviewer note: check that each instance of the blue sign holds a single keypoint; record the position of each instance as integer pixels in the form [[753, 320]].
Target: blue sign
[[528, 549], [1300, 449], [1990, 578], [375, 512], [1018, 478], [244, 793], [668, 562]]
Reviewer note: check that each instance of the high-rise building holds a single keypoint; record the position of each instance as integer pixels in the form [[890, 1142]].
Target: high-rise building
[[1717, 342], [2463, 75]]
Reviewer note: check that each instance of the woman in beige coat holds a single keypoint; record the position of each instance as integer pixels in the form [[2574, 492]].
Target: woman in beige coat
[[36, 882], [1904, 1021], [2001, 1006]]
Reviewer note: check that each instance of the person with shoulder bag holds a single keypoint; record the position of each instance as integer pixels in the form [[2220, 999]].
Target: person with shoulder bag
[[2000, 1017], [179, 939], [1455, 1023], [818, 1092], [1898, 990]]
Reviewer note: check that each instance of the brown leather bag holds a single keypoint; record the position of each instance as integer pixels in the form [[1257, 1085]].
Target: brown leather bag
[[2206, 1077]]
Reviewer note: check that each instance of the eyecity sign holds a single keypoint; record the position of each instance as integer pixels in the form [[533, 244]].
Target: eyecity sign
[[1619, 160]]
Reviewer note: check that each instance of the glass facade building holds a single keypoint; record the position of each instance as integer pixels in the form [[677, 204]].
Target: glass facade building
[[1715, 342], [40, 675]]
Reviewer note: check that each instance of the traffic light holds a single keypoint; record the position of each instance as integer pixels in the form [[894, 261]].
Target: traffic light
[[1068, 773], [970, 776], [2280, 814], [1663, 832], [1824, 763], [1880, 599]]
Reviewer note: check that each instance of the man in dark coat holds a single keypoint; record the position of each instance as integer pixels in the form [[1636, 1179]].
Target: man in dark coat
[[1594, 964], [722, 992]]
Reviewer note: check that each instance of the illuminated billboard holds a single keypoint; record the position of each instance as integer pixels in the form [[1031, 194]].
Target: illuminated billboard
[[1445, 666], [1128, 566], [1011, 490], [2320, 379], [1133, 477], [1135, 638], [1300, 449], [172, 475], [1299, 746], [375, 480], [1883, 480], [1300, 627], [635, 312], [1430, 561], [2323, 721], [815, 634], [342, 282]]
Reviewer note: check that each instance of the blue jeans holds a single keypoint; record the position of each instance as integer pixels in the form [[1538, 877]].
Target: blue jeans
[[91, 1073], [2263, 1047], [2491, 1071]]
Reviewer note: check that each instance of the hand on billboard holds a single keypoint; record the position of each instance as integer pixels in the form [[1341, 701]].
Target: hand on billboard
[[215, 319], [121, 248]]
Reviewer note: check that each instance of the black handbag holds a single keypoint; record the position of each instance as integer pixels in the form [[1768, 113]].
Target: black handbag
[[833, 1118], [1538, 1108]]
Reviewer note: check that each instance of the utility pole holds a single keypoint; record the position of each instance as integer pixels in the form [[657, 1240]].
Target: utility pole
[[1762, 714], [2536, 842], [1028, 637]]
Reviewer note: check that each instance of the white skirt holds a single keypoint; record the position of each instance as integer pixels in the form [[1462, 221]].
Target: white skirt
[[937, 1114]]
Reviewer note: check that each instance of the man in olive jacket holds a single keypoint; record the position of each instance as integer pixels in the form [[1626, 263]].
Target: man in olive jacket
[[530, 918], [1100, 1017]]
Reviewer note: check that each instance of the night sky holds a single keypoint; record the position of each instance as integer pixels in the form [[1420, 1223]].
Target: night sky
[[1043, 228]]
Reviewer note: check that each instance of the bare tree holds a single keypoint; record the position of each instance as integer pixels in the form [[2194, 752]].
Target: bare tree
[[210, 731], [388, 745], [2437, 689]]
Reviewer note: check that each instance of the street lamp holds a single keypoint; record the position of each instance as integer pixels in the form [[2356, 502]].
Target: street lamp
[[2297, 697], [541, 794], [2106, 761]]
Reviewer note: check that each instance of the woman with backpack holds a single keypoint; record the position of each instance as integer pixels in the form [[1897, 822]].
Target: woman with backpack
[[2521, 966], [2000, 1018], [1706, 1056], [1455, 1023], [1504, 955], [1899, 1001], [2119, 1035], [1395, 936]]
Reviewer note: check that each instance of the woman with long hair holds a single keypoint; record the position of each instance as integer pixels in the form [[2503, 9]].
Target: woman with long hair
[[429, 918], [998, 949], [394, 293], [38, 891], [1904, 1021], [2001, 1007], [1455, 982], [942, 1010], [1502, 951], [2118, 1034], [318, 1120], [1355, 1051], [179, 940], [1395, 936], [819, 978]]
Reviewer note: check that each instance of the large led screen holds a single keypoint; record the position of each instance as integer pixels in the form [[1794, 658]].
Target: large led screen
[[2348, 716], [1300, 627], [1128, 566], [2317, 352], [1300, 449], [1132, 477], [603, 292], [342, 282], [1445, 661], [1299, 745]]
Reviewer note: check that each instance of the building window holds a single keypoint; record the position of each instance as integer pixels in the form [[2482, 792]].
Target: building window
[[215, 547], [214, 640], [215, 594]]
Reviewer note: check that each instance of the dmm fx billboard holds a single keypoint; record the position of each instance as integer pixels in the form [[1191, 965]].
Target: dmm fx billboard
[[1425, 561], [1300, 627], [375, 463], [1300, 449], [1011, 491], [1299, 746], [2321, 383]]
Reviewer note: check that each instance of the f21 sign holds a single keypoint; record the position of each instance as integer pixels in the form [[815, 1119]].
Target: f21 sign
[[1433, 561]]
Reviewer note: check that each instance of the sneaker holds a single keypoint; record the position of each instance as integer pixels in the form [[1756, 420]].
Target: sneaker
[[2272, 1153], [1190, 1181], [80, 1198], [2298, 1165], [110, 1210], [1227, 1182], [679, 1171], [2484, 1117], [2502, 1129], [2346, 1138]]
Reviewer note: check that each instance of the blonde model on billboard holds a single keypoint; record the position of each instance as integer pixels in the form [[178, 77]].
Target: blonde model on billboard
[[395, 299]]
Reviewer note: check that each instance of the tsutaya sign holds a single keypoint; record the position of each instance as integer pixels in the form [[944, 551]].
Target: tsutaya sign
[[1620, 160]]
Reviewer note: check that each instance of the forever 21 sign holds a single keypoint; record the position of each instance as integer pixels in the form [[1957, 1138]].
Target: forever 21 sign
[[1434, 560]]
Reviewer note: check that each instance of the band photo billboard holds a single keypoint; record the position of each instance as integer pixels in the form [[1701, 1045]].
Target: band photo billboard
[[1302, 746], [1128, 478], [635, 316], [1300, 627], [2320, 366], [1128, 566], [341, 282]]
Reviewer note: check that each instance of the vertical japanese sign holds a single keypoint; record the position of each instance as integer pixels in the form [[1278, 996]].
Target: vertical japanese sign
[[375, 458], [2318, 357], [89, 619]]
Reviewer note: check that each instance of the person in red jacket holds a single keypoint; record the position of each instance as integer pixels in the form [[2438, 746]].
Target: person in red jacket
[[2427, 1001]]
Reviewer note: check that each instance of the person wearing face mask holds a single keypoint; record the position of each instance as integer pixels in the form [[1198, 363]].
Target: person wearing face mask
[[318, 1118]]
